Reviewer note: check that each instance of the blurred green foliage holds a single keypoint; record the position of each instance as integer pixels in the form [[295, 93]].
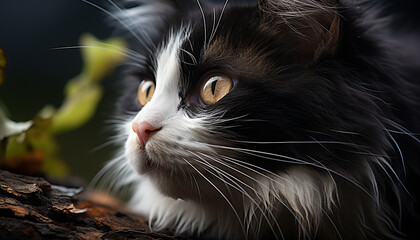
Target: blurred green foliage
[[31, 147]]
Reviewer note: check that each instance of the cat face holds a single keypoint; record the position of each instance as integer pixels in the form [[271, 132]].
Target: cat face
[[262, 95], [253, 110]]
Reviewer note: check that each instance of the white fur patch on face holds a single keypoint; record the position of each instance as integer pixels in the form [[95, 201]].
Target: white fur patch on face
[[178, 134], [163, 105], [165, 100]]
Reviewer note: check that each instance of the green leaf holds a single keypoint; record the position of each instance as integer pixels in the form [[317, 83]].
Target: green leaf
[[77, 109], [83, 92]]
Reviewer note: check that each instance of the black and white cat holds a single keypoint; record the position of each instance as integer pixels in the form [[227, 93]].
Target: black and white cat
[[276, 119]]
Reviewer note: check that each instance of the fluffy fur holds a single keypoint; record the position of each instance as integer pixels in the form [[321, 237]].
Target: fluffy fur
[[316, 140]]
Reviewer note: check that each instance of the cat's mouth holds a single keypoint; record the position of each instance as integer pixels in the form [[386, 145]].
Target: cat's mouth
[[168, 151], [147, 164], [153, 166], [143, 162], [151, 160]]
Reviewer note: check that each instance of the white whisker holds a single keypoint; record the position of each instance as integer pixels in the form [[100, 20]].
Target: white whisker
[[333, 224], [220, 192], [301, 142], [403, 130], [393, 173], [286, 159], [260, 184], [197, 186], [138, 26], [218, 22], [204, 23], [241, 190], [129, 56], [112, 141], [134, 34], [105, 174], [399, 151], [125, 50], [191, 56]]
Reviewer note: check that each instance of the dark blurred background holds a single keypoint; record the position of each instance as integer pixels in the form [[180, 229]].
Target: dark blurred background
[[36, 74]]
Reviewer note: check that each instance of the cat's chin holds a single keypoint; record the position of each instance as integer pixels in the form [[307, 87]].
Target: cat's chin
[[144, 165], [170, 182], [163, 174]]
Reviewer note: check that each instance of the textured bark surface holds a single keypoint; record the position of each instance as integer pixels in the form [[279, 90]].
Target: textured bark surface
[[32, 208]]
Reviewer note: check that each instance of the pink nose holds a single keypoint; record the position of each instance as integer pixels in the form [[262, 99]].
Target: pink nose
[[144, 130]]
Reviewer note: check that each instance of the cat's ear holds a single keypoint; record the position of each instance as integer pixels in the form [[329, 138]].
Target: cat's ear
[[313, 24]]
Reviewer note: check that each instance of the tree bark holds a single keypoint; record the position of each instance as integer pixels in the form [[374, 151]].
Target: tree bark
[[32, 208]]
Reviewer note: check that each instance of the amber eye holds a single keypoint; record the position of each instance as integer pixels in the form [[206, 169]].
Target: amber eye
[[215, 87], [145, 91]]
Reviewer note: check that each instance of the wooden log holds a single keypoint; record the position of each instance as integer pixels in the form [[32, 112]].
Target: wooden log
[[32, 208]]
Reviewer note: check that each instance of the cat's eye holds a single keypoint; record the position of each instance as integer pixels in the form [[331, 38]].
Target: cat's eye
[[215, 87], [145, 91]]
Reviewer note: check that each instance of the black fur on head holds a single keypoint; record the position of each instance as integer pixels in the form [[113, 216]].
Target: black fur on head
[[319, 87]]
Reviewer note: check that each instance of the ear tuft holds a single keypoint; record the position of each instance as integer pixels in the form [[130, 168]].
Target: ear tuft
[[329, 38], [314, 23]]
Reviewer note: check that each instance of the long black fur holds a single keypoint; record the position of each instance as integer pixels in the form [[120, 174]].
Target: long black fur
[[360, 91]]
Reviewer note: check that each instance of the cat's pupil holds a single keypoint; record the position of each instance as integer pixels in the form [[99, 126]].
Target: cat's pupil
[[148, 91], [213, 86]]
